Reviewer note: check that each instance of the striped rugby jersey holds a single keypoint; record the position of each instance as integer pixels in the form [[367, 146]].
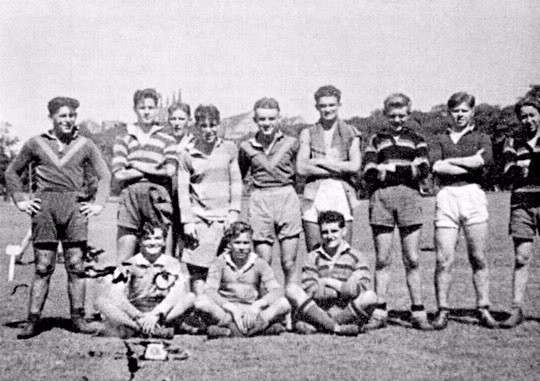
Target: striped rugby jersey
[[209, 186], [387, 147], [346, 262], [58, 167], [150, 150], [519, 150]]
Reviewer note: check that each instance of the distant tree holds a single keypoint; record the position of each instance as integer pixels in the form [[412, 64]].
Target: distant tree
[[534, 91]]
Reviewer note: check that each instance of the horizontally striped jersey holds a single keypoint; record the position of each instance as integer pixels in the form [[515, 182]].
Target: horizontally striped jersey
[[346, 262], [519, 150], [59, 166], [401, 149], [150, 150]]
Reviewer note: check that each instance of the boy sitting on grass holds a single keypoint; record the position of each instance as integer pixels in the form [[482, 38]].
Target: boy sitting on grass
[[242, 296], [148, 293], [336, 294]]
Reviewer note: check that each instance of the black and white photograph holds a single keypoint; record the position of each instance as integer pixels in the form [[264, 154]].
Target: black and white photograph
[[269, 190]]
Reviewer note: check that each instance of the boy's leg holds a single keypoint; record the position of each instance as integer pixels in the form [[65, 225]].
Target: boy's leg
[[216, 314], [312, 234], [289, 252], [273, 313], [476, 236], [74, 262], [114, 310], [181, 307], [126, 243]]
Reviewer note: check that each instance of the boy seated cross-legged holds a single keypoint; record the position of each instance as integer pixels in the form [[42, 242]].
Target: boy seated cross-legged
[[242, 296], [148, 292], [336, 294]]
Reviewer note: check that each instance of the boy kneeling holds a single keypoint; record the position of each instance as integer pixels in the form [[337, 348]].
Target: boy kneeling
[[242, 296], [336, 294], [148, 293]]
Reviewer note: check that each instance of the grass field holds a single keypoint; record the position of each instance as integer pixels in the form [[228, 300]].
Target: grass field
[[464, 351]]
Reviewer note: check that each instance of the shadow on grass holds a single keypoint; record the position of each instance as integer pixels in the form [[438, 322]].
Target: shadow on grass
[[45, 324], [461, 315]]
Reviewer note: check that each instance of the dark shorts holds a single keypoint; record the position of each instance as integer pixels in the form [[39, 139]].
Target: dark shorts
[[274, 211], [144, 202], [59, 219], [396, 205], [525, 221], [197, 272]]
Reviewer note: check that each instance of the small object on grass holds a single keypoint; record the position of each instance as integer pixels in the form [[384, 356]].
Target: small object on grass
[[21, 285], [13, 251]]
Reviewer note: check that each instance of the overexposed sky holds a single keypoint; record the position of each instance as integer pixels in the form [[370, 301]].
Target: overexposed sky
[[231, 53]]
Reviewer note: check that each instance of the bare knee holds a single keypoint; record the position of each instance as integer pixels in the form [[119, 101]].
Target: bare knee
[[295, 294], [383, 261], [523, 250], [478, 261], [411, 261], [282, 306], [202, 302], [44, 269]]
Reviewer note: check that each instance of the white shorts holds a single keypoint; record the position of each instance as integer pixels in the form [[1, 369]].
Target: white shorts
[[460, 205], [330, 196]]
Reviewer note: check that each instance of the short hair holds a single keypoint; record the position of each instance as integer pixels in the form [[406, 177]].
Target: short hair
[[527, 101], [328, 91], [236, 229], [397, 100], [267, 103], [203, 112], [149, 227], [331, 216], [459, 98], [56, 103], [143, 94], [179, 106]]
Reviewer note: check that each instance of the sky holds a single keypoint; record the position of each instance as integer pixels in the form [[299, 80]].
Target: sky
[[232, 52]]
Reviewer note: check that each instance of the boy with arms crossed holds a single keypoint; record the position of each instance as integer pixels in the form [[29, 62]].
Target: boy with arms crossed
[[242, 296], [395, 161], [274, 207], [329, 156], [148, 292], [59, 211], [522, 169], [144, 161], [336, 294]]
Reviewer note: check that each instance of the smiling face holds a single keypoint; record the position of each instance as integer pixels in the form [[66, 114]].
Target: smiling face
[[267, 121], [152, 245], [241, 246], [332, 235], [529, 117], [178, 120], [397, 117], [328, 107], [146, 111], [64, 121], [208, 129], [462, 115]]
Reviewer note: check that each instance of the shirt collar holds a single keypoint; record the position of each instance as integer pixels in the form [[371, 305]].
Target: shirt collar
[[250, 261], [463, 132], [135, 131], [139, 259], [255, 143], [344, 247], [193, 148]]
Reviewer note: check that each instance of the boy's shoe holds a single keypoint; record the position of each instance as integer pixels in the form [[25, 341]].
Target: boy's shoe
[[515, 319], [486, 319], [304, 328], [420, 321], [375, 322], [31, 328], [441, 320], [347, 330], [275, 329], [215, 332], [79, 324], [162, 332]]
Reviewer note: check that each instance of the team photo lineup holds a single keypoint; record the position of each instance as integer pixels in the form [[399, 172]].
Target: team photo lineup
[[187, 263]]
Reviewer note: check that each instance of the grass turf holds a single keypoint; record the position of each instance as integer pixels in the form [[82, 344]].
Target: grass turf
[[463, 351]]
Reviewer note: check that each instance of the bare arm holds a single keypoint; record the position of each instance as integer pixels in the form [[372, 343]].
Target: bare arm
[[446, 168], [342, 167]]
